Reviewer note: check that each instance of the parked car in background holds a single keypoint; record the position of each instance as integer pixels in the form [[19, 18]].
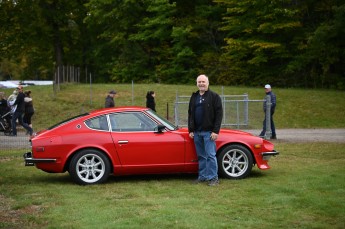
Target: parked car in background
[[135, 140]]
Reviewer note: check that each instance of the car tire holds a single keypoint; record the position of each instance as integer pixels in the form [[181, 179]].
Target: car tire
[[89, 167], [235, 162]]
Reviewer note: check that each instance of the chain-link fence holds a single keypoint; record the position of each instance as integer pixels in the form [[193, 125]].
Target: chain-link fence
[[240, 112]]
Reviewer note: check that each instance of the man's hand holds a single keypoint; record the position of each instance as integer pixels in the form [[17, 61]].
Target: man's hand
[[214, 136], [191, 135]]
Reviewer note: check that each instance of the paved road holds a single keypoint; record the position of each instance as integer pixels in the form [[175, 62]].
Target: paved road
[[308, 135], [19, 142], [283, 135]]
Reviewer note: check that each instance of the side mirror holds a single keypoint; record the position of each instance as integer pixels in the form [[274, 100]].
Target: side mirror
[[159, 128]]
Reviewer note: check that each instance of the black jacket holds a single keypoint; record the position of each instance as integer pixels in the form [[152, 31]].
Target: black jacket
[[20, 103], [150, 102], [273, 102], [109, 102], [29, 107], [213, 112]]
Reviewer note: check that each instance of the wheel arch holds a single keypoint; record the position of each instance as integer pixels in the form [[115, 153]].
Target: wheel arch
[[69, 159]]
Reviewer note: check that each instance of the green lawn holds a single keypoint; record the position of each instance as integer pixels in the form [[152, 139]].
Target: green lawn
[[303, 189]]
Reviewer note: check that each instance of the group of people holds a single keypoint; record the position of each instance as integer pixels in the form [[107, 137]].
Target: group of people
[[18, 107], [205, 113], [150, 100]]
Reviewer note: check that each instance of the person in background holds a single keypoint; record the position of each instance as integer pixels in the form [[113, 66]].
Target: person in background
[[11, 99], [270, 93], [150, 100], [29, 108], [5, 108], [3, 104], [205, 115], [109, 100], [18, 113]]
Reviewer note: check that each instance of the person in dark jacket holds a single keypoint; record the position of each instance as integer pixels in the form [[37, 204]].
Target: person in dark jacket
[[18, 114], [150, 100], [270, 93], [3, 104], [205, 115], [109, 100], [4, 108], [29, 108]]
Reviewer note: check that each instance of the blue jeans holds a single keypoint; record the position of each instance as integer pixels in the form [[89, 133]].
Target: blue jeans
[[19, 116], [273, 128], [206, 151]]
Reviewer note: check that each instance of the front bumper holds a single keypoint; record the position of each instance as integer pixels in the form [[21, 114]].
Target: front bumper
[[267, 155], [30, 161]]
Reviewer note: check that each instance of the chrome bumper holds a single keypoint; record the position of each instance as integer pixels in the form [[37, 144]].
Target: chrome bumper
[[29, 161], [267, 155]]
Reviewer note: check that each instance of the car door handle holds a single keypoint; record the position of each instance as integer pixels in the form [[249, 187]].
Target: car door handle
[[122, 142]]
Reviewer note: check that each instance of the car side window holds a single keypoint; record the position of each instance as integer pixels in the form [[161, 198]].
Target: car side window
[[131, 122], [98, 123]]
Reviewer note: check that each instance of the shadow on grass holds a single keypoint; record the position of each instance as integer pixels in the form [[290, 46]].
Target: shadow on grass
[[151, 177], [65, 178]]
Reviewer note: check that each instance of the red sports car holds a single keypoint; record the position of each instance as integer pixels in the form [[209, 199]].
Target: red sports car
[[136, 140]]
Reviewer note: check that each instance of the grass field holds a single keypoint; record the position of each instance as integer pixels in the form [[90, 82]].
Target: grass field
[[296, 108], [303, 189]]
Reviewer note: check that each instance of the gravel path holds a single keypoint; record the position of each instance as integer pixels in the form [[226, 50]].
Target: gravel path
[[283, 135]]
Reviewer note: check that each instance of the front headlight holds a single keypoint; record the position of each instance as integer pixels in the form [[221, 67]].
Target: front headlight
[[267, 146]]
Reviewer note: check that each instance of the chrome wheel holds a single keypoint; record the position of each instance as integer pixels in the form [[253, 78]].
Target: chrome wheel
[[89, 167], [235, 162]]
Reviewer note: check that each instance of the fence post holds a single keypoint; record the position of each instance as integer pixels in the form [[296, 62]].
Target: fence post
[[176, 110], [246, 108], [268, 133]]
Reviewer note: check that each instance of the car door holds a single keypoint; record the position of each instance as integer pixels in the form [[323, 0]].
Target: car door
[[141, 149]]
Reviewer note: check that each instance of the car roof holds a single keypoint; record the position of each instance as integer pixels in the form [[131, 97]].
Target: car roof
[[117, 109]]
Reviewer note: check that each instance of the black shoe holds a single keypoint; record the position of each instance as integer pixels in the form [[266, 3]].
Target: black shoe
[[274, 137], [213, 182], [198, 181]]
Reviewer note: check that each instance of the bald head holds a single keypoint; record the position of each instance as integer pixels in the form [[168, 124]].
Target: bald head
[[202, 83]]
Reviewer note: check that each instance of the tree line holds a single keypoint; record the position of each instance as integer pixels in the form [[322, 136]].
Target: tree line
[[288, 43]]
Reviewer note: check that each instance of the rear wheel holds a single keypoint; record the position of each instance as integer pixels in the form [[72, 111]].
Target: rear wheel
[[89, 167], [235, 162]]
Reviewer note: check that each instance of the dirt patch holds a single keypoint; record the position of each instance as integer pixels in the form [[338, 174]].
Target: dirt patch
[[15, 218]]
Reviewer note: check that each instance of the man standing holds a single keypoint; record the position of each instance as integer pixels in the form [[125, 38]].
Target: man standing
[[18, 113], [109, 100], [205, 115], [272, 96]]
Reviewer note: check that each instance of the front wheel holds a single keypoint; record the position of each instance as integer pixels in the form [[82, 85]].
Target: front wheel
[[89, 167], [235, 162]]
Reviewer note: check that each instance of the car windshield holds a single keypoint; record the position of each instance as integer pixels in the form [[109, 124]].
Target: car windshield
[[67, 120], [162, 120]]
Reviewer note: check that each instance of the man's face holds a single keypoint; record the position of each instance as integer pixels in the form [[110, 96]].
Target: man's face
[[202, 83]]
